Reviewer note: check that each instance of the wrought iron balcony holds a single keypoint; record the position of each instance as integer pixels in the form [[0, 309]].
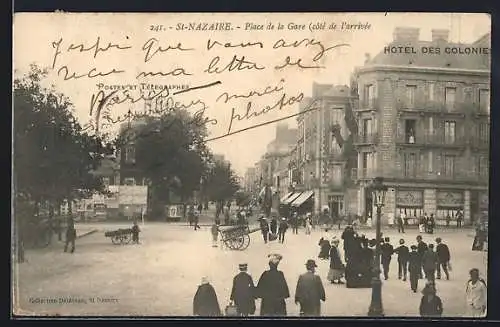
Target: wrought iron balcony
[[431, 139], [457, 175], [365, 139], [367, 104]]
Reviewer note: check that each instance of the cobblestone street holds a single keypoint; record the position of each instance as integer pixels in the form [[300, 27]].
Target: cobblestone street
[[159, 277]]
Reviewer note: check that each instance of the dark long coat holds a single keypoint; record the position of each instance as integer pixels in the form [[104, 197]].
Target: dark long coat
[[205, 302], [243, 293], [415, 263], [309, 293], [324, 248], [273, 290], [335, 261], [431, 307]]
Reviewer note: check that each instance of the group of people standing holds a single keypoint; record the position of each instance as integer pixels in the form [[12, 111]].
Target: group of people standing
[[272, 289], [275, 228]]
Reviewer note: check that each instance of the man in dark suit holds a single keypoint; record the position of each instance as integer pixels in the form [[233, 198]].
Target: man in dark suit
[[387, 250], [403, 257], [243, 292], [429, 263], [283, 226], [310, 291], [421, 249], [414, 268], [443, 254]]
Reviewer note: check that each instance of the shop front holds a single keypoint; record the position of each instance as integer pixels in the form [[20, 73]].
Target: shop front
[[448, 203], [411, 204]]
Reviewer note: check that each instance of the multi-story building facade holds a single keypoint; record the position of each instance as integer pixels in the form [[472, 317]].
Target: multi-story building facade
[[277, 155], [319, 165], [423, 122], [251, 180]]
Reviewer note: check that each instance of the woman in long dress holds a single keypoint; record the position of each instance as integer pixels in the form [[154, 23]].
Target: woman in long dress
[[336, 266], [273, 289], [325, 246]]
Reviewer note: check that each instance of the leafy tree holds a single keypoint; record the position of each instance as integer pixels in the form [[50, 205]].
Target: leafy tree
[[242, 198], [222, 183], [171, 154], [53, 156]]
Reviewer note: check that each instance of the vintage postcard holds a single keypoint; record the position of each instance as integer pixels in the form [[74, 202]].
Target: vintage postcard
[[247, 164]]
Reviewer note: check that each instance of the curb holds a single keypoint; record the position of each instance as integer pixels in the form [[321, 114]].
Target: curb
[[87, 233]]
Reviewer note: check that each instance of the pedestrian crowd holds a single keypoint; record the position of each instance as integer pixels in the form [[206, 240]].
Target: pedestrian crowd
[[415, 262]]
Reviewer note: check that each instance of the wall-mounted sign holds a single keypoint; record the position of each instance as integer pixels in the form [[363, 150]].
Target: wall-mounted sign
[[410, 198], [449, 199]]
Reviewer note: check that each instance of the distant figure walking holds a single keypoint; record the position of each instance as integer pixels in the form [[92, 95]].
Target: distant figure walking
[[273, 289], [135, 232], [414, 267], [196, 220], [310, 291], [215, 234], [308, 224], [444, 257], [282, 230], [401, 225], [264, 228], [205, 301], [70, 236], [429, 263], [387, 251]]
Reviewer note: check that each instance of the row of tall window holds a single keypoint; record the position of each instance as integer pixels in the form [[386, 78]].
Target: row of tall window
[[450, 96], [415, 165]]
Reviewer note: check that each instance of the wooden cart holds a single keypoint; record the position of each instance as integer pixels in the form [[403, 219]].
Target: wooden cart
[[120, 236], [236, 237]]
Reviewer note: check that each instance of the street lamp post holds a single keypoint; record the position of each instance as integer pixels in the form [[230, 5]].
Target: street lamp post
[[376, 309]]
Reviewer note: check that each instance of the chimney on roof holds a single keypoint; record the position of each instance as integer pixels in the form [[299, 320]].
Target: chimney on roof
[[440, 35], [402, 34]]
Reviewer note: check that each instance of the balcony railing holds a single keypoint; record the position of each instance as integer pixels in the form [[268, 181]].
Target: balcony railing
[[368, 104], [442, 107], [457, 175], [369, 138], [367, 173], [431, 139]]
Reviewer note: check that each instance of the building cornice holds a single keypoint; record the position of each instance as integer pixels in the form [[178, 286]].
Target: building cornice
[[423, 69]]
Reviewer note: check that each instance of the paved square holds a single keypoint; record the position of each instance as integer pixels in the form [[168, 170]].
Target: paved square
[[160, 276]]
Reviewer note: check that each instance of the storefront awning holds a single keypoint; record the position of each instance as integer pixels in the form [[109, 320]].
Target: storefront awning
[[286, 197], [291, 198], [302, 198]]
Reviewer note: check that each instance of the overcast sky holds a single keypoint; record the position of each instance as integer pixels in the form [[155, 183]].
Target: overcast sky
[[36, 36]]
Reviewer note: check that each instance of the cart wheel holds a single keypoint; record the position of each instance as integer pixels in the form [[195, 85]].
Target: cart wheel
[[229, 244], [126, 239], [246, 242], [116, 239], [238, 242]]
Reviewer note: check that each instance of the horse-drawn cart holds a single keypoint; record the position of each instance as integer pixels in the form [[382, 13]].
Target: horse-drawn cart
[[120, 236], [235, 237]]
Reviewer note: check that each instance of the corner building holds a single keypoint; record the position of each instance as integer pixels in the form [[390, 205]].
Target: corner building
[[423, 125]]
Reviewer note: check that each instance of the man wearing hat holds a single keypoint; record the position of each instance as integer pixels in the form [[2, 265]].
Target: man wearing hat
[[387, 250], [264, 228], [443, 254], [282, 230], [414, 267], [403, 254], [310, 292], [243, 292]]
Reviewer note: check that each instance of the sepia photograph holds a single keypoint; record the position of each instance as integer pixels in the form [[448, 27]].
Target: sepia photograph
[[250, 165]]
